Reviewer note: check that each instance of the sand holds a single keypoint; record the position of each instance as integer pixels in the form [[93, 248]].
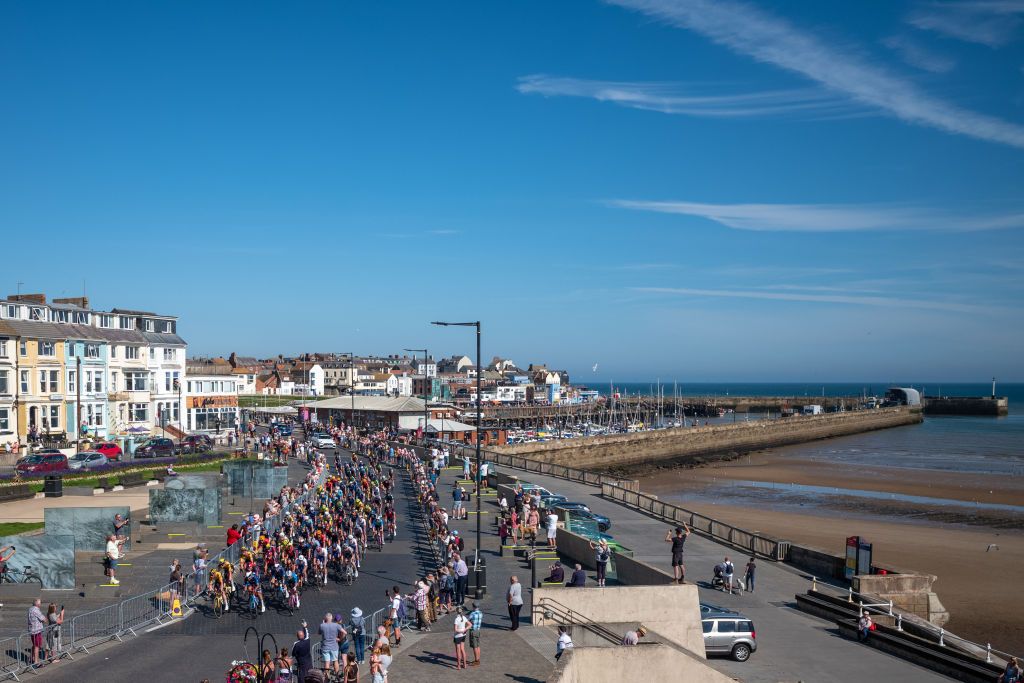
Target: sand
[[979, 587]]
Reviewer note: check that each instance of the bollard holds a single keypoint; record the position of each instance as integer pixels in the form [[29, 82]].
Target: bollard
[[849, 596], [890, 608], [899, 622], [988, 653], [814, 584], [942, 637]]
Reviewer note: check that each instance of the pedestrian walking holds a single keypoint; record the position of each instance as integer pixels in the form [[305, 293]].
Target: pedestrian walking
[[476, 623], [678, 542], [564, 641], [633, 637], [515, 601], [748, 575], [729, 570]]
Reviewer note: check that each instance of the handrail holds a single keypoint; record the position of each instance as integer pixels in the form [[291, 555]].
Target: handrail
[[888, 609], [585, 622]]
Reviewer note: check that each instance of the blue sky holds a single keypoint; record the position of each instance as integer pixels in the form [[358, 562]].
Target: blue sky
[[696, 190]]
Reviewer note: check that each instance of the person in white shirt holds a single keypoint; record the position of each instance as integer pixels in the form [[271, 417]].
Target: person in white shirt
[[396, 607], [113, 555], [552, 524], [461, 632], [564, 642]]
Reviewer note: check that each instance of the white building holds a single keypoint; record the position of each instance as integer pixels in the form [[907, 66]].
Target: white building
[[212, 399]]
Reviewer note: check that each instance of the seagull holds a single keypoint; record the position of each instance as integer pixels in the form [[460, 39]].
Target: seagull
[[594, 369], [991, 546]]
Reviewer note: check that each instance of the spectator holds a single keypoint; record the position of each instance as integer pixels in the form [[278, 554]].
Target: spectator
[[113, 554], [461, 579], [36, 626], [199, 573], [476, 621], [357, 627], [633, 637], [514, 596], [748, 576], [120, 524], [864, 626], [54, 620], [302, 655], [557, 574], [579, 577], [330, 634], [678, 544], [564, 642], [461, 626], [1012, 672], [601, 558], [234, 534], [552, 528], [6, 553]]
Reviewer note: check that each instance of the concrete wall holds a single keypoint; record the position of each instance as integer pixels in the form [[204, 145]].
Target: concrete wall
[[954, 405], [672, 611], [681, 445], [654, 662], [816, 562], [909, 592], [258, 478], [633, 572], [185, 505], [52, 557], [89, 526]]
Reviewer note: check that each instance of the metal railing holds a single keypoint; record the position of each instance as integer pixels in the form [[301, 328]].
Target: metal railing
[[552, 609], [917, 626], [127, 617], [369, 636], [755, 544]]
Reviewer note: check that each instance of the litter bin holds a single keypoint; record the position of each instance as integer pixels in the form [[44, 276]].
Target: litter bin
[[480, 572], [53, 486]]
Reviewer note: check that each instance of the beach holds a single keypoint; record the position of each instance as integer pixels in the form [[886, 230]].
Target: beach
[[939, 536]]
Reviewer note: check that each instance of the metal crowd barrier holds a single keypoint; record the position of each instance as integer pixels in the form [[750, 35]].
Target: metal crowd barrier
[[754, 543], [112, 622]]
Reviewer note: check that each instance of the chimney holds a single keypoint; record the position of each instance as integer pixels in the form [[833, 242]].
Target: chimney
[[80, 301], [28, 298]]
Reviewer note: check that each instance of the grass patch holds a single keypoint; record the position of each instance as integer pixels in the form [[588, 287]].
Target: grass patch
[[12, 528]]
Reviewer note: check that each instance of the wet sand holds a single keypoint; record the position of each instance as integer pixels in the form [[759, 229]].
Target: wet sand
[[978, 587]]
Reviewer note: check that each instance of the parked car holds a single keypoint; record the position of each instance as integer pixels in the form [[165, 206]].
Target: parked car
[[552, 500], [109, 449], [196, 443], [42, 463], [603, 523], [707, 608], [283, 428], [324, 441], [156, 448], [729, 633], [87, 460]]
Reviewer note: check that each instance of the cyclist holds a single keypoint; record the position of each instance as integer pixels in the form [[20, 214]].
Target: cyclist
[[253, 589], [217, 587]]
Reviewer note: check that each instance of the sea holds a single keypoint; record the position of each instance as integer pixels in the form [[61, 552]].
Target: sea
[[982, 445]]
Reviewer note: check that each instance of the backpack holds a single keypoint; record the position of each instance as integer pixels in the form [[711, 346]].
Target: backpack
[[357, 627], [400, 612]]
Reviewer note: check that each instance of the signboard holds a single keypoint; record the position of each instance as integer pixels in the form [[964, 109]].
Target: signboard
[[212, 402], [850, 568], [863, 557]]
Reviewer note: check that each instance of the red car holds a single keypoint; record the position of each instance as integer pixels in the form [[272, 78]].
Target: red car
[[41, 463], [109, 449]]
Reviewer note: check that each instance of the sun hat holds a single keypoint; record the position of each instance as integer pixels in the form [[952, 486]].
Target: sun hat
[[356, 612]]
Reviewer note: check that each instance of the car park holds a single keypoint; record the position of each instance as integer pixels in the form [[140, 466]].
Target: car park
[[730, 634], [87, 460], [42, 463], [156, 448], [109, 449]]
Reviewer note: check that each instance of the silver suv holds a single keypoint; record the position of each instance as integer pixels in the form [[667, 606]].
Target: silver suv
[[728, 633]]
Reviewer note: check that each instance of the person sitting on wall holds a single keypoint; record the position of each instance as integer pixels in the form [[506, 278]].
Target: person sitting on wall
[[579, 577], [557, 574]]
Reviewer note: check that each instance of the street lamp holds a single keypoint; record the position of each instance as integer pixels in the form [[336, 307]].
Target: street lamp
[[479, 419], [426, 393]]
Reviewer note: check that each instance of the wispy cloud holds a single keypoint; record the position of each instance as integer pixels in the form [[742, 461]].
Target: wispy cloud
[[694, 100], [855, 300], [646, 266], [444, 232], [987, 22], [831, 217], [916, 55], [750, 31]]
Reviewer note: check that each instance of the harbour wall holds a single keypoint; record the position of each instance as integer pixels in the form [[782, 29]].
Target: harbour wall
[[966, 405], [692, 445]]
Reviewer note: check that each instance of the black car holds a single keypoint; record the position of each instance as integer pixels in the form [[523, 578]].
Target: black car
[[156, 448]]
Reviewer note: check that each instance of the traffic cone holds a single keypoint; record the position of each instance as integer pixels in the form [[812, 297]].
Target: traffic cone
[[176, 608]]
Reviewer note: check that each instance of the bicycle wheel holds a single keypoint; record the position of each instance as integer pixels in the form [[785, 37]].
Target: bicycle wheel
[[218, 607], [33, 578]]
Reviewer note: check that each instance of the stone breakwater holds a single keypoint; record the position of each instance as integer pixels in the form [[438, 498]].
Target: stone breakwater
[[684, 446]]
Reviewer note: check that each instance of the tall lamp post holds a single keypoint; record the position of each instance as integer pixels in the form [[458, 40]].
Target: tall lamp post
[[426, 393], [352, 388], [479, 419]]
